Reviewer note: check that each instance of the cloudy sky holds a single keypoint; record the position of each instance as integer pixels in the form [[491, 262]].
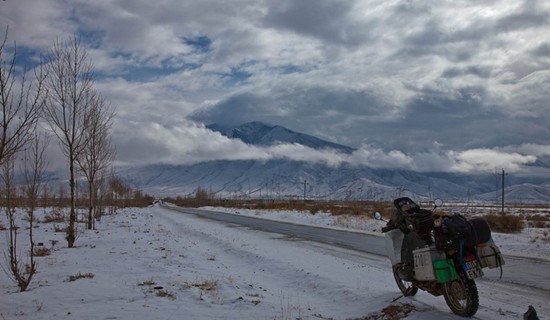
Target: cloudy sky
[[437, 85]]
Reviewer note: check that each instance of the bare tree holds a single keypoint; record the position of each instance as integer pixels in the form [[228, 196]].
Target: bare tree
[[18, 272], [35, 165], [98, 153], [21, 103], [119, 189], [69, 84], [34, 169]]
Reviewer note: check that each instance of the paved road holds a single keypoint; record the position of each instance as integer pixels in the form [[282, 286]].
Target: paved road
[[521, 271]]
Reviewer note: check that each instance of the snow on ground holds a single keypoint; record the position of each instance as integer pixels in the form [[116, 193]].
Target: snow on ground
[[154, 263]]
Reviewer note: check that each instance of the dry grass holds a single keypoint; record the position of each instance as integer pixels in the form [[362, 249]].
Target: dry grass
[[41, 251], [391, 312], [505, 223], [166, 294], [206, 285], [537, 221], [56, 215], [81, 276], [149, 282], [57, 228], [159, 290]]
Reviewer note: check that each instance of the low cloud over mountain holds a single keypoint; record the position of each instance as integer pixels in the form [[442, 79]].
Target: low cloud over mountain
[[304, 160]]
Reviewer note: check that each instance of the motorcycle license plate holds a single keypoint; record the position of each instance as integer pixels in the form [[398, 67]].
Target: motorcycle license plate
[[472, 269]]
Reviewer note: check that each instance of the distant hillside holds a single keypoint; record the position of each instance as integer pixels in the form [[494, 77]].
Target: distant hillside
[[522, 193], [283, 178]]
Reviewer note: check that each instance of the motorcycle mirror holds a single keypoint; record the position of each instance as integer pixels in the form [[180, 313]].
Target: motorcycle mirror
[[438, 202], [377, 216]]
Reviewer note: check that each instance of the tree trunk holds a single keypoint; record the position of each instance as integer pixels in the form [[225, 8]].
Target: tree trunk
[[71, 232], [90, 205]]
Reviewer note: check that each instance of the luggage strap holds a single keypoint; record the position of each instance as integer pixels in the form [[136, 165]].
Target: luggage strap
[[497, 260]]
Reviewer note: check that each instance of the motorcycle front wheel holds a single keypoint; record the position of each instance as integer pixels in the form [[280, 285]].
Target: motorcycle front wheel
[[461, 296], [407, 287]]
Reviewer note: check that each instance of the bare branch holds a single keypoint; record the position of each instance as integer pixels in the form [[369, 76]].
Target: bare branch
[[21, 103]]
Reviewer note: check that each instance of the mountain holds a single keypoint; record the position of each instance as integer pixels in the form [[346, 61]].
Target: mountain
[[523, 193], [261, 134], [282, 178]]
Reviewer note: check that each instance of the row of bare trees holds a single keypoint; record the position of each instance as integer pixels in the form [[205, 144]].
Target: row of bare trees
[[61, 95], [80, 118]]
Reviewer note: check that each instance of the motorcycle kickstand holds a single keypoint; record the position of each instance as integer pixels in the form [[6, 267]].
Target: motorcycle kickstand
[[401, 296]]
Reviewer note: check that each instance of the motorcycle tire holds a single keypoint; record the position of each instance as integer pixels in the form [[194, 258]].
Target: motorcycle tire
[[461, 296], [408, 288]]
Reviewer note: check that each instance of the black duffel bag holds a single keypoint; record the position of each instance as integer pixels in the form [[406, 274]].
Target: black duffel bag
[[456, 229]]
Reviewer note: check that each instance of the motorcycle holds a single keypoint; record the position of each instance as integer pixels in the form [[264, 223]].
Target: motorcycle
[[441, 258]]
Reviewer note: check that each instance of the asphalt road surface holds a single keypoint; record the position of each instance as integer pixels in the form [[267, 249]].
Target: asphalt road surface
[[533, 273]]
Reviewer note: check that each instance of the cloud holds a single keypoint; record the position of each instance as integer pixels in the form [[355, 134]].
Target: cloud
[[329, 21], [531, 149], [485, 160], [183, 144], [464, 161], [23, 16], [396, 76]]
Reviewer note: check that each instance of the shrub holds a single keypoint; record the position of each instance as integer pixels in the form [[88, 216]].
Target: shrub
[[537, 217], [538, 221], [340, 211], [504, 223], [41, 251], [538, 224], [206, 285], [314, 209], [54, 216], [149, 282], [57, 228], [166, 294]]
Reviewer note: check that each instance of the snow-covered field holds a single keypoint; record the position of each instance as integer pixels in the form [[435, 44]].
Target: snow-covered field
[[154, 263]]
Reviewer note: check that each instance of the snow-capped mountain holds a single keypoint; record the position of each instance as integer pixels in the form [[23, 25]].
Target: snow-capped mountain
[[282, 178], [259, 133]]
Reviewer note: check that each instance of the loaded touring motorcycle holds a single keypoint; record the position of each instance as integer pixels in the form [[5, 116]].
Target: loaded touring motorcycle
[[442, 258]]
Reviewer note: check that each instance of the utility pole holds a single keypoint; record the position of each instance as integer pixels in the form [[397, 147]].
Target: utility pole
[[496, 180], [503, 174], [305, 184]]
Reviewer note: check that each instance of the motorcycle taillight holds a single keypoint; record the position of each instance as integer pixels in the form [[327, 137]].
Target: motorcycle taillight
[[470, 257]]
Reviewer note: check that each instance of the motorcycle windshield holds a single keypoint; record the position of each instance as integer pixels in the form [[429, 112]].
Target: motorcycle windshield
[[394, 241]]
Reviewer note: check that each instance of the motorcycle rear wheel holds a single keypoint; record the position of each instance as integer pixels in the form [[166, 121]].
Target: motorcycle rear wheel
[[408, 288], [461, 296]]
